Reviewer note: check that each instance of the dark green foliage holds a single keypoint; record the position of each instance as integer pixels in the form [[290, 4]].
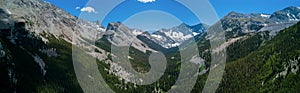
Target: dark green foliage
[[257, 71], [60, 75], [243, 47], [257, 60]]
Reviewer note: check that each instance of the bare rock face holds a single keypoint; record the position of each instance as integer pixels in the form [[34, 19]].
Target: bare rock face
[[121, 35], [42, 17]]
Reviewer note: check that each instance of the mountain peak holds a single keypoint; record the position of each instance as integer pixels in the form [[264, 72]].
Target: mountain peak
[[146, 33], [291, 13], [199, 28], [234, 14], [183, 25], [113, 26], [292, 7]]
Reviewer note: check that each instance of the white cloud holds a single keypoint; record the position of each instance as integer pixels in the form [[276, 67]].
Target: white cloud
[[146, 1], [77, 8], [88, 9]]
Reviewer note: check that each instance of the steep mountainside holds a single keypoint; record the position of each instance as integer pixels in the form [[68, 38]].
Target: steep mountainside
[[259, 64], [273, 67], [36, 50]]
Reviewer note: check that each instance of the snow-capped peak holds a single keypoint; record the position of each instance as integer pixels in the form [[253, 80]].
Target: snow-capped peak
[[137, 32], [174, 36]]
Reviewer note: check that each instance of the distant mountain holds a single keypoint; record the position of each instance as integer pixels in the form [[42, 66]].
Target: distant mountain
[[288, 14], [237, 24], [166, 38], [174, 36]]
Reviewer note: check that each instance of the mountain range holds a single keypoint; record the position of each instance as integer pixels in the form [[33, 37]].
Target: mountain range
[[36, 40]]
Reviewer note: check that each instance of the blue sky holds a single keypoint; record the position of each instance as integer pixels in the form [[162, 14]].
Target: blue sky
[[162, 13]]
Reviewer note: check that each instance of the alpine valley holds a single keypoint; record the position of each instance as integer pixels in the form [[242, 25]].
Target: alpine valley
[[36, 39]]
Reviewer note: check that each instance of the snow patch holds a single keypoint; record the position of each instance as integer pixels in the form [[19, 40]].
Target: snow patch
[[137, 32], [194, 33], [264, 25], [288, 14], [8, 12], [175, 44], [156, 36], [178, 36], [292, 17], [264, 15]]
